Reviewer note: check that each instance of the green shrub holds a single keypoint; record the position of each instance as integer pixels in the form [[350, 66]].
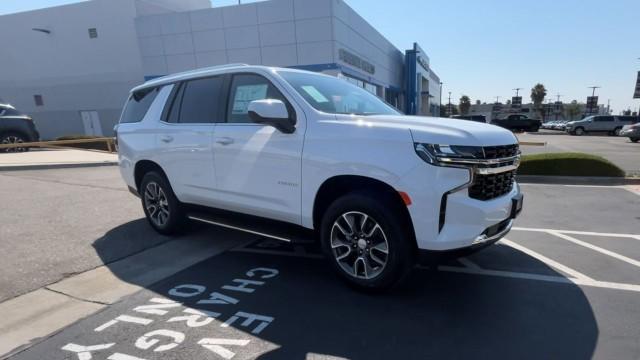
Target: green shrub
[[568, 164]]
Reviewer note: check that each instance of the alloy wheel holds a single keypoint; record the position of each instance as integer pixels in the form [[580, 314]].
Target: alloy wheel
[[156, 203], [13, 139], [359, 245]]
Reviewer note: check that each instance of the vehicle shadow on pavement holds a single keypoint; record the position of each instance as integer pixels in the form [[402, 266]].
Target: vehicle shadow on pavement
[[434, 314]]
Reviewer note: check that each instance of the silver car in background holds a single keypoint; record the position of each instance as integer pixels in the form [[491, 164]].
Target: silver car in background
[[610, 124]]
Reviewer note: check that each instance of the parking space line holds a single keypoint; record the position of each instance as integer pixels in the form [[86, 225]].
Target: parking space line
[[547, 278], [546, 260], [469, 264], [596, 248], [276, 252], [573, 232]]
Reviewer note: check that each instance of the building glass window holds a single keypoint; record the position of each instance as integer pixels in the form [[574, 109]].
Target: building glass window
[[38, 100]]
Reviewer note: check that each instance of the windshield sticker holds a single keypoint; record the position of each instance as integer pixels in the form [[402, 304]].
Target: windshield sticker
[[315, 94], [246, 94]]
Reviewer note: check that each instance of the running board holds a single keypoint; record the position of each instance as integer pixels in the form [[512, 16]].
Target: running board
[[257, 226]]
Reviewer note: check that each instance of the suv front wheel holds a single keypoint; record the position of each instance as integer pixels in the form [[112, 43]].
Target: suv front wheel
[[161, 206], [367, 241]]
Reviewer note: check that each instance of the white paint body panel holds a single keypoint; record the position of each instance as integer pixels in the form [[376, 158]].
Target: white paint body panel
[[264, 172]]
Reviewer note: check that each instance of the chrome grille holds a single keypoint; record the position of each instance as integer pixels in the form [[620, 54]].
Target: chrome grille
[[497, 152], [487, 187]]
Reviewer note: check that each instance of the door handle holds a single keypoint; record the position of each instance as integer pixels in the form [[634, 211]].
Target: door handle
[[224, 140], [166, 139]]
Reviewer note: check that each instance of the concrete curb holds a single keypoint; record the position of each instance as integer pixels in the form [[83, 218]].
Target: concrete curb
[[577, 180], [56, 166]]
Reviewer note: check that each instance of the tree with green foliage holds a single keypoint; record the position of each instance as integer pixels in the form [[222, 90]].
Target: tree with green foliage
[[538, 93], [465, 105], [573, 109]]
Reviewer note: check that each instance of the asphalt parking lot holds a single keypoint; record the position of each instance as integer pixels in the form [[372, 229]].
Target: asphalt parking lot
[[565, 283], [619, 150]]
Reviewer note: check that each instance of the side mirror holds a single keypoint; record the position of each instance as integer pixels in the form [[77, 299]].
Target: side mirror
[[272, 112]]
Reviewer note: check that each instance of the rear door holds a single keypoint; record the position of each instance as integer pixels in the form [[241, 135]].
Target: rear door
[[258, 168], [602, 123], [185, 138]]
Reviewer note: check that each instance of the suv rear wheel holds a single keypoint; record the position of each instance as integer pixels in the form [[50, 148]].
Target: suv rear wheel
[[367, 241], [579, 131], [13, 138], [161, 206], [617, 130]]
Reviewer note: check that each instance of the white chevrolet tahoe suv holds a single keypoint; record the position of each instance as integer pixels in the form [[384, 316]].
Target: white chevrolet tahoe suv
[[282, 152]]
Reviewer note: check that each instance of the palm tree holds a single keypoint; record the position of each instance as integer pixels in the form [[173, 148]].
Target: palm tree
[[465, 105], [538, 93]]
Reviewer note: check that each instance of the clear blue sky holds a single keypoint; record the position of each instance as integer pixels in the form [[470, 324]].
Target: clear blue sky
[[486, 48]]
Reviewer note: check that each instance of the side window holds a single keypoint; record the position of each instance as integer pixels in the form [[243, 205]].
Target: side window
[[200, 100], [138, 105], [246, 88], [171, 112], [603, 118]]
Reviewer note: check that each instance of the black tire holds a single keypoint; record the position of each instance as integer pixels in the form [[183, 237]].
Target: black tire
[[534, 129], [635, 140], [394, 229], [579, 131], [12, 138], [161, 206], [616, 131]]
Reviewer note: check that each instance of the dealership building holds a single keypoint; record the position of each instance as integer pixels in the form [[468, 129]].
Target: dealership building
[[71, 66]]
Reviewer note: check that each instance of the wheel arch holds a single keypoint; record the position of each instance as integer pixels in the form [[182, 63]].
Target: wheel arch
[[339, 185], [144, 166]]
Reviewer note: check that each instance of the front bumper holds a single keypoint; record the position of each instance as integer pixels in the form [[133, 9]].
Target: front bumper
[[467, 222]]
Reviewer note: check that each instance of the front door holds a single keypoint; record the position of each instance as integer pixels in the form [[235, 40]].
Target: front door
[[258, 168], [91, 123]]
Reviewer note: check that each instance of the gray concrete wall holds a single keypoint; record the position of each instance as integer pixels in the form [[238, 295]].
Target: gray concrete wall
[[276, 33]]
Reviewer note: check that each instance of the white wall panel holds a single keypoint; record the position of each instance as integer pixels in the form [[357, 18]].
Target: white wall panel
[[208, 19], [241, 15], [247, 56], [177, 44], [275, 11], [211, 58], [318, 29], [280, 33], [178, 63], [282, 55], [242, 37], [209, 40]]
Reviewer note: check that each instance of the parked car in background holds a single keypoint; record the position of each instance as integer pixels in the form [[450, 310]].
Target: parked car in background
[[518, 122], [631, 131], [299, 150], [476, 118], [610, 124], [547, 125], [559, 125], [15, 128]]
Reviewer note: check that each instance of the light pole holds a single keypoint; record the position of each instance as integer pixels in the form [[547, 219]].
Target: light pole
[[440, 103], [557, 110]]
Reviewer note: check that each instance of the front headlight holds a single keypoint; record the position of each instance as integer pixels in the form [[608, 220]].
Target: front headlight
[[437, 154], [476, 158]]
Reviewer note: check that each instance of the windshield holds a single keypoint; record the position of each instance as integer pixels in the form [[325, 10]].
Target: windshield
[[336, 96]]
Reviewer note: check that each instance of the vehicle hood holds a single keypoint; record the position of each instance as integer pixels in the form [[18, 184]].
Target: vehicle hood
[[442, 130]]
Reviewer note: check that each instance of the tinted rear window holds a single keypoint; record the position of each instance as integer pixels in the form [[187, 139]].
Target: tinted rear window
[[201, 100], [138, 105]]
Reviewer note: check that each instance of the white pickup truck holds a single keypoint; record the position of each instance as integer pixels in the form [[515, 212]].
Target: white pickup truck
[[282, 152]]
